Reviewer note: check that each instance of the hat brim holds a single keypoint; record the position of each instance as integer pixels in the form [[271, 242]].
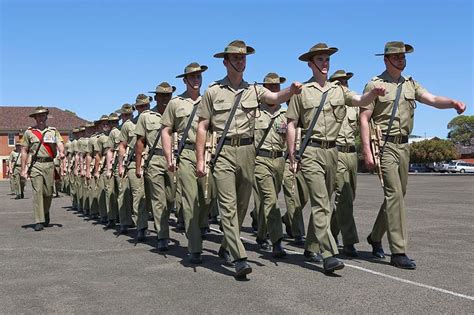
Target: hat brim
[[408, 50], [250, 51], [203, 68], [34, 114], [155, 92], [308, 55], [282, 80], [343, 77]]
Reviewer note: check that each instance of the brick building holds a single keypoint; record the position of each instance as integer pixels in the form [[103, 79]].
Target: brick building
[[15, 120]]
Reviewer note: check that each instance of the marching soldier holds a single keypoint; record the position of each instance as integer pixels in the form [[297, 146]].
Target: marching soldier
[[229, 107], [43, 143], [73, 170], [125, 194], [155, 169], [394, 113], [100, 173], [270, 145], [173, 199], [127, 166], [180, 117], [320, 110], [342, 219], [14, 167], [112, 190]]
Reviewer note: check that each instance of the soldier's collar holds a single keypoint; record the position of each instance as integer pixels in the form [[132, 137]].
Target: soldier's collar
[[266, 108], [185, 96], [327, 85], [226, 82], [386, 77]]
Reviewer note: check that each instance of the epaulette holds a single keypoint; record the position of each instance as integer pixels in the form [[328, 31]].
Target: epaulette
[[214, 83], [377, 78]]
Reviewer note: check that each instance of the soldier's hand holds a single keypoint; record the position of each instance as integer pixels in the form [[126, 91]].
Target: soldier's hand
[[88, 176], [120, 170], [96, 175], [24, 174], [138, 172], [200, 168], [296, 87], [369, 160], [378, 90], [109, 174], [460, 107]]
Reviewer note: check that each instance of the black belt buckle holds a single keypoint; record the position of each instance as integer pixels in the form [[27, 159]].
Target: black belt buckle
[[235, 142], [325, 144]]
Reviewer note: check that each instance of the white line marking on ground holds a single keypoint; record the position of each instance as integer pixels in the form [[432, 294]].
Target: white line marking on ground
[[464, 296], [82, 251]]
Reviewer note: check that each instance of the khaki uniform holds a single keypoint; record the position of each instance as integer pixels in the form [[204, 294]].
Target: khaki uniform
[[94, 187], [295, 200], [74, 179], [342, 219], [156, 176], [234, 170], [319, 164], [42, 179], [396, 156], [131, 185], [112, 191], [195, 206], [84, 183], [103, 181], [18, 181], [269, 168]]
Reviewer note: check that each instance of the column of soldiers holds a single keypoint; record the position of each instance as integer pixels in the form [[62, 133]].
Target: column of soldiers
[[194, 151]]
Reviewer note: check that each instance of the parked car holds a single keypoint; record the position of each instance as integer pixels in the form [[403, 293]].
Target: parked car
[[442, 167], [419, 168], [461, 167]]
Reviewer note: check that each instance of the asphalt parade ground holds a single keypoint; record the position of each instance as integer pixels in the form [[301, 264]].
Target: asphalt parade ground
[[77, 267]]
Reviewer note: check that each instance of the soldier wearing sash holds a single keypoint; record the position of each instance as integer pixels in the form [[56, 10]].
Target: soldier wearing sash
[[42, 143]]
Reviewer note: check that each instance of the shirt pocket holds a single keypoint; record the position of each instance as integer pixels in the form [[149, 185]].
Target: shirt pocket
[[152, 123], [352, 119], [220, 115], [309, 109], [261, 124], [339, 109], [250, 106]]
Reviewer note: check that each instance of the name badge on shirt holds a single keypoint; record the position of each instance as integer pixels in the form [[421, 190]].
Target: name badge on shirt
[[49, 138], [281, 127]]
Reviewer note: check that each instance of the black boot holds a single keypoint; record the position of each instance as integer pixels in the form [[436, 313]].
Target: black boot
[[38, 227], [278, 251], [332, 264], [402, 261], [141, 235], [242, 269], [225, 256], [377, 250]]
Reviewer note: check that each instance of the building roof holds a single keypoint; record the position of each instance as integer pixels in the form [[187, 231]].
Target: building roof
[[14, 118]]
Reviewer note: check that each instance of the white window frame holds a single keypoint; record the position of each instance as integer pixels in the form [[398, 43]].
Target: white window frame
[[11, 134]]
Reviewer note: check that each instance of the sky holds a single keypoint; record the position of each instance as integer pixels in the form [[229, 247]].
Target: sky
[[91, 56]]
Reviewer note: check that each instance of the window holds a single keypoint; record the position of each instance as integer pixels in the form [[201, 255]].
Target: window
[[11, 139]]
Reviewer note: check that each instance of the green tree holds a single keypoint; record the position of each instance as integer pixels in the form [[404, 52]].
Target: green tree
[[461, 129], [434, 150]]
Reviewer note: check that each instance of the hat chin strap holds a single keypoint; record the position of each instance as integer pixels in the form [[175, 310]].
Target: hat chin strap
[[318, 68], [235, 67], [401, 69]]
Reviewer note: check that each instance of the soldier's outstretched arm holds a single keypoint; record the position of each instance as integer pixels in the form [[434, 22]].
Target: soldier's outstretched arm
[[368, 97], [284, 95], [290, 142], [442, 102], [203, 126], [24, 161], [365, 115]]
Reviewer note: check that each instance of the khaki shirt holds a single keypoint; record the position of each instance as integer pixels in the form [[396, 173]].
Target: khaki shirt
[[100, 144], [13, 157], [176, 116], [382, 106], [51, 136], [217, 103], [349, 127], [149, 126], [82, 145], [303, 107], [275, 139], [127, 133], [113, 139]]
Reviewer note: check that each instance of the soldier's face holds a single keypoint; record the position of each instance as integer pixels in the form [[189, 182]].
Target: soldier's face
[[273, 87], [321, 62], [141, 108], [41, 118], [344, 82], [194, 80], [104, 125], [397, 61], [235, 62], [162, 99]]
